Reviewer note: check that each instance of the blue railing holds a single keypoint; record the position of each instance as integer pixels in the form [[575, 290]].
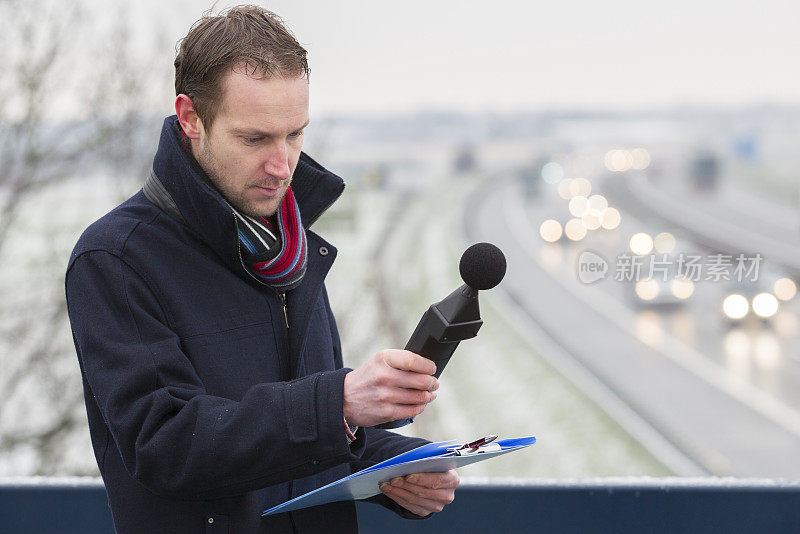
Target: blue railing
[[644, 505]]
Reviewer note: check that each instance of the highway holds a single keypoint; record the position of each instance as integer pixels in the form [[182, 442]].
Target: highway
[[725, 398], [729, 218]]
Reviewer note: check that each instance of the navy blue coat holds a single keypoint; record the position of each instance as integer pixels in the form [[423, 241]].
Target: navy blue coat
[[203, 409]]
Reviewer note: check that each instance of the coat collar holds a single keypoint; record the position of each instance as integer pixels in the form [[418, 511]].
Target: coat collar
[[205, 211]]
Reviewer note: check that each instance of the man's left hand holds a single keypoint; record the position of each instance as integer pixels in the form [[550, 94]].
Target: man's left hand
[[422, 493]]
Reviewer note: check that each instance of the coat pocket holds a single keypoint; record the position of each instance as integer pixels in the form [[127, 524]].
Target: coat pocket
[[231, 362]]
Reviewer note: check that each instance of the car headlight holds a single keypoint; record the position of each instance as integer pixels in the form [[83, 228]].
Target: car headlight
[[735, 306], [765, 305]]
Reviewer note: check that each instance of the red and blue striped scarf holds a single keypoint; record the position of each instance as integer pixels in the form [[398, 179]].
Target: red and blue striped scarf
[[278, 256]]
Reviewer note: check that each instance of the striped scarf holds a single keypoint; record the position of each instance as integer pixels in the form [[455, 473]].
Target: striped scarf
[[277, 257]]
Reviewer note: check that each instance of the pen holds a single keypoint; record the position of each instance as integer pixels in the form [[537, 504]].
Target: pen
[[478, 443]]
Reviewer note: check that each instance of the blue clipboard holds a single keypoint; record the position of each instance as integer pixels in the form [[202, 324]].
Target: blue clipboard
[[430, 458]]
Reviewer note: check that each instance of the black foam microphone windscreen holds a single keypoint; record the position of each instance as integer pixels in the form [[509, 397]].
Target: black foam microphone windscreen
[[482, 266], [456, 317]]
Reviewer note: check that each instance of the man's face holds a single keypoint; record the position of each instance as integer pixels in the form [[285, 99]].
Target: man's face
[[252, 149]]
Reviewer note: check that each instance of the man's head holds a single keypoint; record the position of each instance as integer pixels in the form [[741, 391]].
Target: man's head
[[242, 99]]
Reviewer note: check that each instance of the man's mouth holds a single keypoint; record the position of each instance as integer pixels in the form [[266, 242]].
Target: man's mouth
[[268, 191]]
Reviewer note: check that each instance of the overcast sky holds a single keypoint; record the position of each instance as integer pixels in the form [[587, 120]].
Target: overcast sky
[[382, 56]]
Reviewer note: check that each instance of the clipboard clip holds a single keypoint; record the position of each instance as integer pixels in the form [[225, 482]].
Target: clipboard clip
[[475, 446]]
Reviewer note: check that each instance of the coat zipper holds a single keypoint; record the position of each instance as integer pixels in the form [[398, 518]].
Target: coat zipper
[[282, 295]]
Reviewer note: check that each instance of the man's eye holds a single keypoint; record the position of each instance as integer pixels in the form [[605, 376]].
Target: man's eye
[[296, 134], [251, 140]]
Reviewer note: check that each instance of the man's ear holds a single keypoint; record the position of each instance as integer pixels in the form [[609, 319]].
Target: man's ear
[[190, 122]]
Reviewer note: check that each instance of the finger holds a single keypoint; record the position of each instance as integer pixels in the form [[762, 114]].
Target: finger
[[406, 499], [446, 480], [410, 380], [411, 507], [405, 360], [406, 396], [390, 491], [445, 495]]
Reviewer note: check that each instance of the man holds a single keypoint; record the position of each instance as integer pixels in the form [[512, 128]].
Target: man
[[211, 362]]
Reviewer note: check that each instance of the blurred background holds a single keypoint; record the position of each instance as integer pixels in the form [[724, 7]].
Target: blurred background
[[637, 163]]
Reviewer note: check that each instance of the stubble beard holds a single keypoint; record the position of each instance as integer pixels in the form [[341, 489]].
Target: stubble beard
[[237, 199]]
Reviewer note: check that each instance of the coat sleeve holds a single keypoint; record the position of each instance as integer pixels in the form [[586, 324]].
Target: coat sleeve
[[378, 444], [173, 437]]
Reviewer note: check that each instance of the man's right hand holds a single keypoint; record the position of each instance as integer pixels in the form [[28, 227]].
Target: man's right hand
[[393, 384]]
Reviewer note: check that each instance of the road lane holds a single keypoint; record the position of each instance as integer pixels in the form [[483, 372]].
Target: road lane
[[723, 219], [721, 432]]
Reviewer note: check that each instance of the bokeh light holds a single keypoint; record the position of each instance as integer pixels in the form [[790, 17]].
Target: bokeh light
[[611, 218], [765, 305], [785, 288], [646, 289], [579, 206], [735, 306], [598, 202], [664, 242], [640, 159], [574, 230], [550, 230], [580, 187], [552, 172], [592, 220], [618, 160], [682, 287], [641, 244]]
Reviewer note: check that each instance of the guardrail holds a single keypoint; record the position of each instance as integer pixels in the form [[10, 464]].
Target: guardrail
[[618, 505]]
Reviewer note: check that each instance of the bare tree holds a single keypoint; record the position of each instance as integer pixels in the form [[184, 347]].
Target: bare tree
[[62, 115]]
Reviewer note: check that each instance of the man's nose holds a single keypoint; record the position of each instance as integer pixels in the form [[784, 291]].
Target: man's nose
[[277, 163]]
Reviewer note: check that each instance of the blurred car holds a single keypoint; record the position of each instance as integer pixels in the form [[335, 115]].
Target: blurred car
[[664, 274], [751, 299], [660, 284]]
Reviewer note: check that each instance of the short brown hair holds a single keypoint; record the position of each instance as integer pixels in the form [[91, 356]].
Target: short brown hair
[[242, 36]]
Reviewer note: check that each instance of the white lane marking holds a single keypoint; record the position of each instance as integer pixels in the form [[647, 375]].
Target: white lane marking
[[673, 348]]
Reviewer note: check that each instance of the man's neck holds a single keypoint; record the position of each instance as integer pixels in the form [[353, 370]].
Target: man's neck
[[190, 148]]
